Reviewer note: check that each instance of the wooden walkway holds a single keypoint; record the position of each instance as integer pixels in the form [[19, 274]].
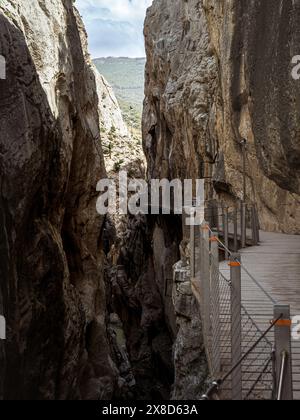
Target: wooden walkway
[[275, 264]]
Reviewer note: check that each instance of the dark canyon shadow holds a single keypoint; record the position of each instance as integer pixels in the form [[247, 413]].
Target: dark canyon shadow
[[45, 183], [141, 294], [31, 267]]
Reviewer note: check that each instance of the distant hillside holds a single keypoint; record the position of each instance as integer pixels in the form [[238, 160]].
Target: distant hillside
[[126, 75]]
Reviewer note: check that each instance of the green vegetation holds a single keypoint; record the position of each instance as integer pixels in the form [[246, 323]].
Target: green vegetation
[[118, 165], [112, 134], [126, 75]]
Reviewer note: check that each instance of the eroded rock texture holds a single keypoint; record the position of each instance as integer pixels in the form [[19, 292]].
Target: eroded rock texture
[[122, 150], [190, 363], [141, 293], [217, 72], [51, 266]]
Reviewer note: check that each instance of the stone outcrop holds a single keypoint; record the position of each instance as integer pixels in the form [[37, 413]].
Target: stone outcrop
[[111, 119], [121, 149], [51, 262], [190, 364], [218, 72], [140, 285]]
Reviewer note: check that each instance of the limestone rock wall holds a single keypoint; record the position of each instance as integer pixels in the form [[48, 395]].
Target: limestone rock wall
[[190, 363], [51, 263], [111, 119], [218, 72], [141, 294]]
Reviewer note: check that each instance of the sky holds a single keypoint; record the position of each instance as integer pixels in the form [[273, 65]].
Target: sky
[[115, 27]]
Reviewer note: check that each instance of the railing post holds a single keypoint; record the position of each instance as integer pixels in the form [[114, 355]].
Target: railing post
[[209, 214], [222, 220], [274, 391], [226, 232], [214, 222], [254, 226], [236, 327], [257, 224], [215, 305], [235, 229], [243, 224], [283, 351], [192, 251], [217, 219], [205, 280]]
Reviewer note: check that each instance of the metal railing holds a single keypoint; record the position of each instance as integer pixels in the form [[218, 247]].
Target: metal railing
[[244, 357], [238, 225], [284, 359]]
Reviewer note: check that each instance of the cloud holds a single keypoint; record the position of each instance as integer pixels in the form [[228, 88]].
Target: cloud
[[115, 27]]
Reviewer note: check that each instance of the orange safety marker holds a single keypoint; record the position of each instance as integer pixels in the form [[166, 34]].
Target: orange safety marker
[[214, 239], [234, 264], [282, 323]]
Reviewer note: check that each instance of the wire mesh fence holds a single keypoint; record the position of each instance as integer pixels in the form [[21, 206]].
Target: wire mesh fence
[[239, 349]]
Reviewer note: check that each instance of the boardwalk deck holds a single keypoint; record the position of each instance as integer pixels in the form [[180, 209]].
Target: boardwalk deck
[[275, 264]]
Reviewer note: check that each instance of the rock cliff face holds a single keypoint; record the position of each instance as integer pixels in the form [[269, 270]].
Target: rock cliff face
[[141, 294], [218, 72], [139, 289], [190, 363], [51, 262], [120, 148]]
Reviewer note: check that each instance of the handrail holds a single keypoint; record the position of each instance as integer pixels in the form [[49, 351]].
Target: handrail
[[284, 357], [274, 302], [239, 353], [252, 348], [216, 384]]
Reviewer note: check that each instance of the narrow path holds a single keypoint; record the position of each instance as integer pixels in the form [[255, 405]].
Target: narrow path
[[275, 264]]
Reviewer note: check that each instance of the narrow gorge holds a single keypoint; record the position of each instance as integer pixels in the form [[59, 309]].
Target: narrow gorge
[[93, 306]]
